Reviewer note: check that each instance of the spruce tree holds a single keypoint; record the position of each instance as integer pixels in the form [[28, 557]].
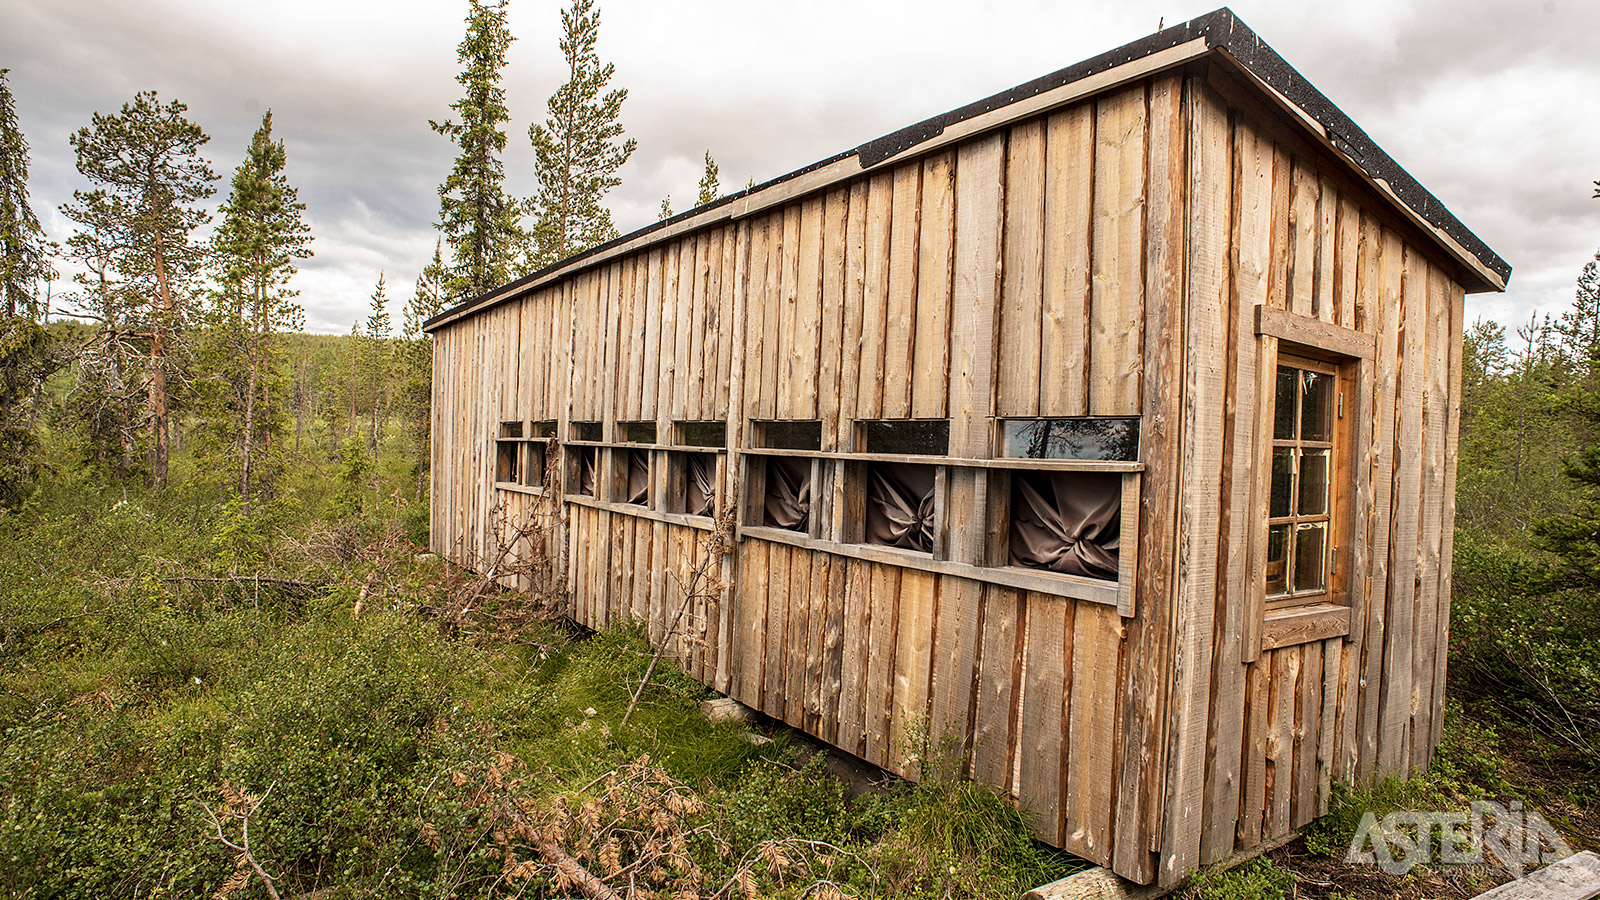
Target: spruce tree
[[478, 219], [375, 358], [665, 212], [262, 235], [710, 190], [24, 253], [27, 355], [139, 221], [579, 147]]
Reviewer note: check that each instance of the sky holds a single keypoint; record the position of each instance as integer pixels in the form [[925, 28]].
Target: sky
[[1489, 103]]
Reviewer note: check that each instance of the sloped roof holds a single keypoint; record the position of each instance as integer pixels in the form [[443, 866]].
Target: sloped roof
[[1216, 32]]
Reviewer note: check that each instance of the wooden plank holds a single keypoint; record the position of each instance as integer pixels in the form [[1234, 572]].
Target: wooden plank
[[1325, 299], [1285, 677], [1304, 624], [1347, 266], [885, 600], [832, 276], [833, 651], [901, 312], [694, 372], [1204, 393], [852, 351], [753, 617], [774, 661], [1576, 877], [786, 279], [913, 646], [675, 401], [1022, 281], [1398, 674], [875, 297], [1435, 420], [797, 634], [1092, 750], [728, 308], [855, 655], [1332, 678], [1117, 307], [957, 624], [1044, 713], [930, 388], [1307, 731], [1304, 192], [1448, 529], [1257, 725], [1381, 266], [1068, 216], [1314, 333], [1249, 230], [772, 292], [806, 346], [997, 686], [979, 194]]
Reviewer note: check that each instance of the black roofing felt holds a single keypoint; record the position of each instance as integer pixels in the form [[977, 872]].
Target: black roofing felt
[[1222, 30]]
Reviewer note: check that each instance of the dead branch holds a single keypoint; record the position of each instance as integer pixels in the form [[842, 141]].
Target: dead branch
[[242, 807]]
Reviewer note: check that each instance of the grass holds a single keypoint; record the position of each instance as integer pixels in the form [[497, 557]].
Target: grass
[[388, 747]]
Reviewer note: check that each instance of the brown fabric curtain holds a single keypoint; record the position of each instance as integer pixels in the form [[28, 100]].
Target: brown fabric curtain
[[900, 506], [788, 499], [1066, 522], [700, 471], [639, 477], [586, 471]]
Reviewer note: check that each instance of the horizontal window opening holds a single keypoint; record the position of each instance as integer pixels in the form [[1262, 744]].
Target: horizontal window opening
[[1067, 522], [900, 505], [586, 431], [787, 500], [511, 429], [926, 437], [703, 434], [506, 459], [544, 429], [1084, 439], [789, 435], [639, 432]]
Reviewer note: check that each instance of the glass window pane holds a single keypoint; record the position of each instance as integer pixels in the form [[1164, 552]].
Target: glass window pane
[[1316, 406], [1278, 559], [920, 436], [703, 434], [790, 435], [1310, 541], [1282, 483], [1096, 438], [586, 431], [1313, 483], [511, 429], [544, 429], [639, 432], [1283, 416]]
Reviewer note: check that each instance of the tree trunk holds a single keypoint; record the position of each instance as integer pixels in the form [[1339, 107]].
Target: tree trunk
[[158, 365]]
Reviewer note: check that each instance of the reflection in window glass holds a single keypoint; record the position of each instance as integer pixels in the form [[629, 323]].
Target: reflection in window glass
[[1309, 543], [639, 432], [1282, 482], [545, 429], [586, 431], [1316, 407], [1283, 417], [789, 435], [511, 429], [912, 436], [1313, 497], [1278, 559], [1091, 439], [703, 434]]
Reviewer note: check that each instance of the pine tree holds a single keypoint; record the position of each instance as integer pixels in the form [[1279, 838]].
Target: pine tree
[[24, 253], [138, 221], [579, 148], [261, 236], [375, 361], [710, 190], [415, 358], [478, 219]]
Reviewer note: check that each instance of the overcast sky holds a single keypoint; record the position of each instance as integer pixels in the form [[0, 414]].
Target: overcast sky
[[1491, 104]]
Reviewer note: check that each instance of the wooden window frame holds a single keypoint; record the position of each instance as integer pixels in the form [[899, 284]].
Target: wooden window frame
[[834, 472], [1270, 623], [522, 438]]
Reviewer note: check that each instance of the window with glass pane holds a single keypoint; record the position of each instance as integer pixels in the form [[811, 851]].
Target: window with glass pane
[[1299, 514]]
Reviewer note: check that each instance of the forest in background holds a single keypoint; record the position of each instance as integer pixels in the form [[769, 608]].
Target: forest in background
[[228, 667]]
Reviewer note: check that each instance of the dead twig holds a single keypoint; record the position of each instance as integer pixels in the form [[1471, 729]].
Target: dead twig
[[242, 807]]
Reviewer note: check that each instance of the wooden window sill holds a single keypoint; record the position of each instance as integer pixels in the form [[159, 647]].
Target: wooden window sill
[[519, 488], [1295, 625], [1075, 587], [999, 462], [701, 523]]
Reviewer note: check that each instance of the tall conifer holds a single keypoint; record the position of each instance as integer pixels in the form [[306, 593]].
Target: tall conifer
[[579, 147], [478, 219]]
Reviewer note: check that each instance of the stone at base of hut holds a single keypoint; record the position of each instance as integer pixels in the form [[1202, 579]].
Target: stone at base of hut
[[727, 709]]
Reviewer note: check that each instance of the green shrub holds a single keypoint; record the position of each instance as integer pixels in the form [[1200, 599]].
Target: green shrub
[[1257, 879]]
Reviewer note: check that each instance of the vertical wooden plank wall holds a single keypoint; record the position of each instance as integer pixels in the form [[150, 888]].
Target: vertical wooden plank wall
[[1256, 745], [1102, 259]]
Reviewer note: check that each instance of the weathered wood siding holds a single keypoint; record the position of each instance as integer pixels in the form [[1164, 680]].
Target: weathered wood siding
[[1103, 259]]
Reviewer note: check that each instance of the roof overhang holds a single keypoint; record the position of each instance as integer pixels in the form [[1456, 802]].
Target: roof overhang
[[1220, 33]]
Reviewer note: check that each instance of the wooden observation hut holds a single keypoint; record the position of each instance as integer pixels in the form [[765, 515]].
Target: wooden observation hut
[[1097, 438]]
